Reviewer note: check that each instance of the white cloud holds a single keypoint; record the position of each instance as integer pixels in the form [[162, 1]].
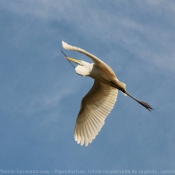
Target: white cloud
[[133, 30]]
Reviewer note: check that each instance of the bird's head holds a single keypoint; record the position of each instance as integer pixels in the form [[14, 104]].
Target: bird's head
[[84, 68]]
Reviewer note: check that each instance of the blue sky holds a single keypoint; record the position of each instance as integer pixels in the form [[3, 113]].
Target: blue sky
[[40, 93]]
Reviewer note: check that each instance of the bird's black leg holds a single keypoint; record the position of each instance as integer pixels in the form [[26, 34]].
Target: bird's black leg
[[147, 106]]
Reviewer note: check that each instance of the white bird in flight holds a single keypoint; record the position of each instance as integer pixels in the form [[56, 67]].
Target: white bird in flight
[[99, 101]]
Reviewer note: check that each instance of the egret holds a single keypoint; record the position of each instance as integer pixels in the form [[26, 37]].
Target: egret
[[99, 101]]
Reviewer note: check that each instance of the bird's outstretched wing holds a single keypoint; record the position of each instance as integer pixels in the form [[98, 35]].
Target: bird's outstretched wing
[[94, 58], [95, 107]]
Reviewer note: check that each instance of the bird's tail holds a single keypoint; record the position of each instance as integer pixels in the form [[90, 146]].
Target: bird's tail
[[124, 87]]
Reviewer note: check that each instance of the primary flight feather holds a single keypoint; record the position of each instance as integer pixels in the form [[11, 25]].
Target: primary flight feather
[[99, 101]]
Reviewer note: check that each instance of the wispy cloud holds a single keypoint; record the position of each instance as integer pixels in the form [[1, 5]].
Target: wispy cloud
[[154, 42], [41, 94]]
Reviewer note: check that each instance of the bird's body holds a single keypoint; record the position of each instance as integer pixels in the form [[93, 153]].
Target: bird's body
[[99, 101], [105, 75]]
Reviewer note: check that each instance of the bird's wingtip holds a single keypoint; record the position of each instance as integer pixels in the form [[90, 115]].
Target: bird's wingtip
[[65, 45]]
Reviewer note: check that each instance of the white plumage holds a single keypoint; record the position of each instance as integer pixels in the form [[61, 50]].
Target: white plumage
[[99, 101]]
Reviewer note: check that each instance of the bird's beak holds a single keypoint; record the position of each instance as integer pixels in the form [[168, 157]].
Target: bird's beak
[[73, 60]]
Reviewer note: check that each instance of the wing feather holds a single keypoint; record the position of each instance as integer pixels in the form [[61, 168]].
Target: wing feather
[[93, 57], [95, 107]]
